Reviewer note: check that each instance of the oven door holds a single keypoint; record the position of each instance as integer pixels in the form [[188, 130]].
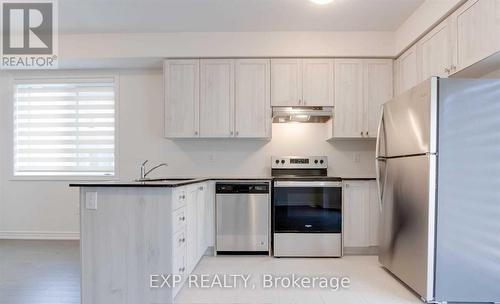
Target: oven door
[[307, 207]]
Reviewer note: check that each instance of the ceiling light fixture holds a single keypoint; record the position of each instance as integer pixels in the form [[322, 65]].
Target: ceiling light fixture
[[321, 2]]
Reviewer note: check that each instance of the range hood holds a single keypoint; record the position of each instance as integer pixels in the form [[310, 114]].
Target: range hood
[[302, 114]]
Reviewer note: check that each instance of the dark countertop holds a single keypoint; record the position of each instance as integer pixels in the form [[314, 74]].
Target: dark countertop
[[183, 181], [166, 183]]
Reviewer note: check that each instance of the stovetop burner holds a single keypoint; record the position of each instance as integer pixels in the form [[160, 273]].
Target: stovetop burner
[[301, 168]]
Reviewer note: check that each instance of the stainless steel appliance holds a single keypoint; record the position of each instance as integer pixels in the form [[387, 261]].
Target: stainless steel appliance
[[307, 208], [438, 170], [243, 216], [302, 114]]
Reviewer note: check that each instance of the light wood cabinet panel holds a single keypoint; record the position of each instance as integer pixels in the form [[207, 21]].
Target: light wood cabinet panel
[[435, 52], [252, 98], [286, 82], [477, 27], [356, 214], [317, 82], [181, 80], [349, 109], [407, 72], [374, 210], [216, 97], [377, 89]]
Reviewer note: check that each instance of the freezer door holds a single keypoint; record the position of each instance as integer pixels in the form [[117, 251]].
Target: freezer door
[[410, 122], [468, 225], [407, 221]]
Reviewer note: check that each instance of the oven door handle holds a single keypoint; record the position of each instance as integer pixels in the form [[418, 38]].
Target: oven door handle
[[311, 184]]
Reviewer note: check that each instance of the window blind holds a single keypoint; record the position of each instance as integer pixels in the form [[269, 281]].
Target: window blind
[[64, 127]]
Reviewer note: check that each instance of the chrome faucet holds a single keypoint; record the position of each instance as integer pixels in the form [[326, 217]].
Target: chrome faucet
[[145, 173]]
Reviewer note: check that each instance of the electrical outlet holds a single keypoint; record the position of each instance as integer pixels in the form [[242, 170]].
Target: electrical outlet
[[91, 200], [356, 157]]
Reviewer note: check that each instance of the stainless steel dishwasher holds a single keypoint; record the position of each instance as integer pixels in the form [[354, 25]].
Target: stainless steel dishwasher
[[243, 217]]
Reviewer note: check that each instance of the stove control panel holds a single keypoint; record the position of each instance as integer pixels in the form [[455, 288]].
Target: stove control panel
[[299, 162]]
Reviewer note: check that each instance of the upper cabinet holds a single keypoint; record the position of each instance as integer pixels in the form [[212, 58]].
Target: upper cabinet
[[252, 98], [317, 82], [469, 35], [476, 26], [302, 82], [217, 98], [377, 90], [361, 87], [435, 52], [406, 70], [181, 97], [286, 82]]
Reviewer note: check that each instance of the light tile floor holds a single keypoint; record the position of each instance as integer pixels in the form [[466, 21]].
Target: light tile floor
[[48, 272], [370, 284]]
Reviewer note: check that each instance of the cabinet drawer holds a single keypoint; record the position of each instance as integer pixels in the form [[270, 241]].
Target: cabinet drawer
[[179, 243], [180, 268], [178, 198], [179, 219]]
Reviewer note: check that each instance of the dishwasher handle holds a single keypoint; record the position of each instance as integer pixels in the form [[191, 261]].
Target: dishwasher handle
[[243, 188]]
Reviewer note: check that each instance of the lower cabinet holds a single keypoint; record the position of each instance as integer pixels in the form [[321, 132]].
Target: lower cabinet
[[190, 223], [361, 214]]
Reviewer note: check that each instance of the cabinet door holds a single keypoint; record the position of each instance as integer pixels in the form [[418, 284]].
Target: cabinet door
[[349, 110], [377, 89], [286, 82], [435, 52], [356, 214], [407, 70], [191, 228], [374, 206], [252, 98], [217, 98], [181, 79], [201, 221], [477, 31], [317, 82]]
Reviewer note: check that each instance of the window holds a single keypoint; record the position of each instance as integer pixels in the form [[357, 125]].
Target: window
[[64, 127]]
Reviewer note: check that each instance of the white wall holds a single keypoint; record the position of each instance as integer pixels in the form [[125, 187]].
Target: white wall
[[50, 209], [106, 48]]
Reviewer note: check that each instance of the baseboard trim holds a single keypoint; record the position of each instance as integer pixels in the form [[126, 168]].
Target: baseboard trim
[[39, 235], [372, 250]]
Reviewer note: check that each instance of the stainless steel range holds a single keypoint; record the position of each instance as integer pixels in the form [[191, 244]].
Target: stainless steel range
[[307, 208]]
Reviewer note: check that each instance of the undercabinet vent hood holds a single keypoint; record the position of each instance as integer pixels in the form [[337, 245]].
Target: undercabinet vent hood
[[302, 114]]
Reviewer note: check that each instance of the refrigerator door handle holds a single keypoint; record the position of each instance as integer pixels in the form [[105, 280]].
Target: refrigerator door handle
[[377, 157]]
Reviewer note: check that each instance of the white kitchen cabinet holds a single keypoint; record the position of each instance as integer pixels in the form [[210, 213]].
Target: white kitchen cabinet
[[476, 25], [435, 52], [349, 109], [252, 118], [317, 82], [361, 213], [191, 228], [374, 207], [356, 214], [201, 220], [377, 89], [181, 80], [407, 71], [361, 87], [302, 82], [286, 82], [216, 97]]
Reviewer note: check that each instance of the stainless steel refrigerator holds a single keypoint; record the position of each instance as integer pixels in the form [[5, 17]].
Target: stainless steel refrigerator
[[438, 171]]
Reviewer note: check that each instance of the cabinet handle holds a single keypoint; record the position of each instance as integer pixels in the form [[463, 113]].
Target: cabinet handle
[[366, 133], [231, 133], [195, 132], [201, 188], [361, 133], [300, 101], [453, 68], [237, 133], [447, 71], [182, 218]]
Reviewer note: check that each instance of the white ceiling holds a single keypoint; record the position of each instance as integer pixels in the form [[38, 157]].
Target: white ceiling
[[136, 16]]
